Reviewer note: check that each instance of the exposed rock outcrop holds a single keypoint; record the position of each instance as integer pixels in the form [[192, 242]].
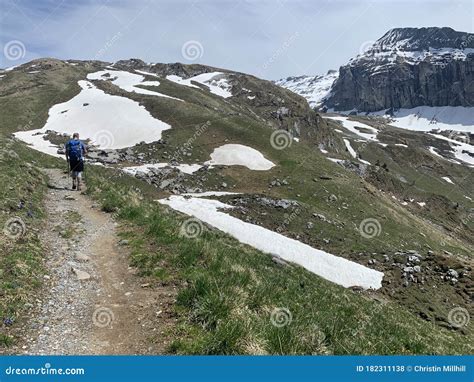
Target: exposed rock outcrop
[[408, 67]]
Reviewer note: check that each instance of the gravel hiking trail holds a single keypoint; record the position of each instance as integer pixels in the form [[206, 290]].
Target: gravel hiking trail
[[92, 301]]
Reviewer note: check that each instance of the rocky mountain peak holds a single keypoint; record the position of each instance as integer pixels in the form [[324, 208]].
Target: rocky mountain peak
[[410, 39], [414, 45], [406, 68]]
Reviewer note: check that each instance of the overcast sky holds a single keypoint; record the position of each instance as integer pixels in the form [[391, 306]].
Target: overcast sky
[[270, 39]]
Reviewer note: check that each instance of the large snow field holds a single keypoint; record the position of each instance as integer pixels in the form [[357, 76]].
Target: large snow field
[[128, 81], [109, 121], [427, 118], [321, 263]]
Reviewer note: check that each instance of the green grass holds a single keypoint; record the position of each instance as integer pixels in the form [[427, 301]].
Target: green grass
[[229, 291], [21, 256]]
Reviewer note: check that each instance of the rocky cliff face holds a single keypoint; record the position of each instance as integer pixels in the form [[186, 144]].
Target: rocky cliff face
[[408, 67]]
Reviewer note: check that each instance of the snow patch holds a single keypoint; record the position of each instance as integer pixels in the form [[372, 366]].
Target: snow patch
[[240, 155], [434, 152], [321, 263], [349, 148], [335, 160], [461, 149], [146, 168], [146, 73], [128, 82], [215, 81], [427, 118], [353, 125], [447, 179], [11, 68], [210, 193]]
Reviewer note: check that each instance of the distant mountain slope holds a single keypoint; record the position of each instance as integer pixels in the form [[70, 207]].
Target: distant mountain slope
[[314, 88], [408, 67], [419, 79], [404, 69]]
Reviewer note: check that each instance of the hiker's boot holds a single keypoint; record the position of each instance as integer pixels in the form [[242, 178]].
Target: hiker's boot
[[73, 184]]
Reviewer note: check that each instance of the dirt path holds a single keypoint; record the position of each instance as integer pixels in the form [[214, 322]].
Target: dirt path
[[93, 302]]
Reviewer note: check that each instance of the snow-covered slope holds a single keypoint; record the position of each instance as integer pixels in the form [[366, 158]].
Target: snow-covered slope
[[215, 81], [109, 121], [314, 88], [412, 46], [127, 81], [333, 268], [427, 118]]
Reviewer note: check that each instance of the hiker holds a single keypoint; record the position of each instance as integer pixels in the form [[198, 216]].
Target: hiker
[[75, 151]]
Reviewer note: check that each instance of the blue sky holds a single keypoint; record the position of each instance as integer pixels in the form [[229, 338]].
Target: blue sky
[[270, 39]]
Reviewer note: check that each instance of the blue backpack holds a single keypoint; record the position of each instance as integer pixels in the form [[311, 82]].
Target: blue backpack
[[74, 147]]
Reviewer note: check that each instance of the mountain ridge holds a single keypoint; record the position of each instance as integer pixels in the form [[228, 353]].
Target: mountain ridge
[[405, 68], [242, 155]]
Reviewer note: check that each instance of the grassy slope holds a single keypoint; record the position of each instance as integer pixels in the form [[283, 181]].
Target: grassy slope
[[232, 314], [299, 164], [20, 257]]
